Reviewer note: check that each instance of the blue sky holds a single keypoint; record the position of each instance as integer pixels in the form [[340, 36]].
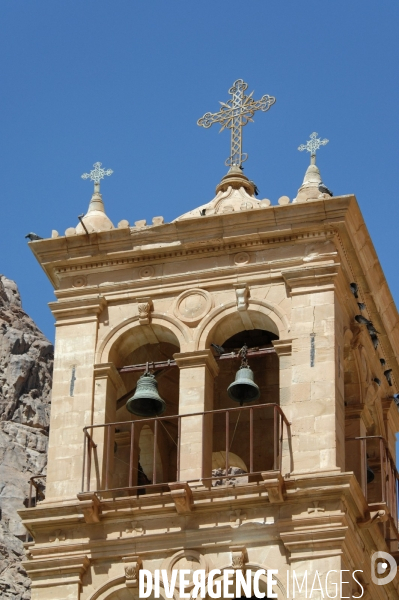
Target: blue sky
[[124, 83]]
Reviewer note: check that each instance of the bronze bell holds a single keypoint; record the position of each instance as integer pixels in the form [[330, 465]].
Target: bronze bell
[[244, 389], [146, 402]]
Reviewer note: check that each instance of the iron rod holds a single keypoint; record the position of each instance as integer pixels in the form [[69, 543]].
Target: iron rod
[[205, 412], [154, 464], [382, 471], [251, 439], [131, 457], [89, 449], [275, 441], [84, 461], [227, 441], [168, 364], [363, 455], [108, 452], [178, 447]]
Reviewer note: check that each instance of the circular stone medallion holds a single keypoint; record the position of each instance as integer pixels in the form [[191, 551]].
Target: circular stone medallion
[[191, 306], [79, 281], [242, 258], [146, 272]]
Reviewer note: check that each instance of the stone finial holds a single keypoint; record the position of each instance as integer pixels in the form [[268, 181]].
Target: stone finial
[[309, 189], [95, 219]]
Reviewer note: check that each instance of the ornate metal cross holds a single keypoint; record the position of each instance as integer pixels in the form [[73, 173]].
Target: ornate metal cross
[[96, 175], [312, 146], [234, 114]]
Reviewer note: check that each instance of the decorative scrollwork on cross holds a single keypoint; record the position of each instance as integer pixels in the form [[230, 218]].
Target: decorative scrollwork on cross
[[96, 175], [234, 115], [312, 146]]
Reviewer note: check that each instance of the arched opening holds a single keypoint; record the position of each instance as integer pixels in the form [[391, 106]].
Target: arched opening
[[247, 439], [148, 454]]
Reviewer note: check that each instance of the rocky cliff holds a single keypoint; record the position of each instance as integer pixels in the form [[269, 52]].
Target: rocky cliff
[[26, 361]]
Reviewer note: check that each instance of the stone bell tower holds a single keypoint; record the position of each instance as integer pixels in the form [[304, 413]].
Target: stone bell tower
[[302, 479]]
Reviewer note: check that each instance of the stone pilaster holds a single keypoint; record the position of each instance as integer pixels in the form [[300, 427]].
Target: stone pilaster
[[197, 371]]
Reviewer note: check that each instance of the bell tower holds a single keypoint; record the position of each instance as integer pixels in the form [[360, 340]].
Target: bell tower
[[223, 395]]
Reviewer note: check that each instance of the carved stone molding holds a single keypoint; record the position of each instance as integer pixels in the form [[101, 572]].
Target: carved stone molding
[[79, 281], [192, 306], [132, 565], [274, 484], [147, 272], [182, 496], [239, 557], [314, 543], [237, 517], [57, 536], [241, 258], [145, 307], [51, 572], [315, 509], [187, 559], [310, 279], [242, 296], [77, 310], [90, 506]]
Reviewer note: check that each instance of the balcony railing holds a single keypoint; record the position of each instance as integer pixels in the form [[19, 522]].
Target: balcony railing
[[37, 487], [383, 490], [253, 433]]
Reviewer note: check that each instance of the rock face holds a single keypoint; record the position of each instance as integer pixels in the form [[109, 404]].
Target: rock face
[[26, 362]]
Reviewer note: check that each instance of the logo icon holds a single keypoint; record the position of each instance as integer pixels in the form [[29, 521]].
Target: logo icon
[[383, 568]]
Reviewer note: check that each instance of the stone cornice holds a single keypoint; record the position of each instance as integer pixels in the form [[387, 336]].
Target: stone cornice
[[299, 489], [82, 308], [56, 571], [308, 545], [312, 278], [143, 255], [219, 233]]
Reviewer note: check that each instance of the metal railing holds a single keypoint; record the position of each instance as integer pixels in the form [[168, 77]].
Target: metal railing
[[384, 489], [37, 486], [170, 428]]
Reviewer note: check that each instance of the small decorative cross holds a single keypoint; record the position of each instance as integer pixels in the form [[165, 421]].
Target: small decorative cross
[[234, 114], [312, 146], [96, 175], [237, 517], [315, 508]]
